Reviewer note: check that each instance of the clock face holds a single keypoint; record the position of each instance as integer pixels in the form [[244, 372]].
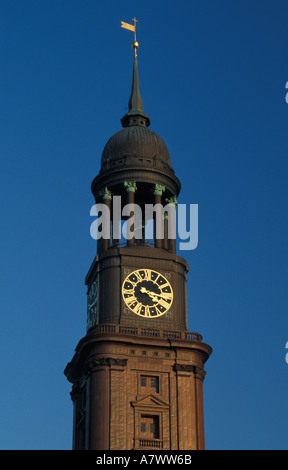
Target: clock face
[[147, 293]]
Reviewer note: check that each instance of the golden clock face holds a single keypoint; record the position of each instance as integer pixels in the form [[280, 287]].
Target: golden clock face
[[147, 293]]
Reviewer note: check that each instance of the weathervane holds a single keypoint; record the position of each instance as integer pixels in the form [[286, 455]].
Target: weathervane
[[132, 27]]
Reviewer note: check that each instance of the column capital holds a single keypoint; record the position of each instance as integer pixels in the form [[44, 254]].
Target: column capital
[[172, 200], [105, 193], [159, 189], [130, 186]]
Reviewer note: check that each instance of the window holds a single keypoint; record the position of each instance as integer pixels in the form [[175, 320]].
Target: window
[[143, 381], [154, 428], [155, 384], [149, 427], [150, 383]]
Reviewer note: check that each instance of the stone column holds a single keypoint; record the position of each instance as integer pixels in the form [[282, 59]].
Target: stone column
[[158, 214], [99, 405], [186, 407], [104, 243], [130, 189], [165, 241], [199, 375], [74, 397], [172, 201]]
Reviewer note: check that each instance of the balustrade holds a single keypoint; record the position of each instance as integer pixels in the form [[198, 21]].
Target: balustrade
[[106, 328]]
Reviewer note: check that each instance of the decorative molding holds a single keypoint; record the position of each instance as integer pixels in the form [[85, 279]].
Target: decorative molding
[[107, 362], [74, 393], [150, 401], [184, 367], [199, 373]]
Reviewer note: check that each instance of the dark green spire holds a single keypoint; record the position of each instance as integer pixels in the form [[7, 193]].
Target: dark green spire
[[135, 101], [135, 115]]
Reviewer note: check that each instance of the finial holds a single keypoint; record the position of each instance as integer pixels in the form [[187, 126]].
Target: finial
[[135, 115], [131, 27], [135, 46]]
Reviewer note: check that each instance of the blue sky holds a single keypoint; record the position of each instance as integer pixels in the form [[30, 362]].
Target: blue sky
[[212, 79]]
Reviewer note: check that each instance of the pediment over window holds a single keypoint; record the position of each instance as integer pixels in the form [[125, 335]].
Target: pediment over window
[[150, 401]]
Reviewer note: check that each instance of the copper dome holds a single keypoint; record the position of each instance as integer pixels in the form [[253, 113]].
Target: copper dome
[[135, 141]]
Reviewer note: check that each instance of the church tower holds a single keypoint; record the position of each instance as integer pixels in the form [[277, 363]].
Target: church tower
[[138, 373]]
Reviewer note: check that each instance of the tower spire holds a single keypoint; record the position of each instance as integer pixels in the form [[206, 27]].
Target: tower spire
[[135, 115]]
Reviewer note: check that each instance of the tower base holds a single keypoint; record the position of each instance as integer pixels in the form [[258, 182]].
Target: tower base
[[138, 388]]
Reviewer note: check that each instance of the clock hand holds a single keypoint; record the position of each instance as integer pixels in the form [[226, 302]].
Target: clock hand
[[144, 290], [153, 296]]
